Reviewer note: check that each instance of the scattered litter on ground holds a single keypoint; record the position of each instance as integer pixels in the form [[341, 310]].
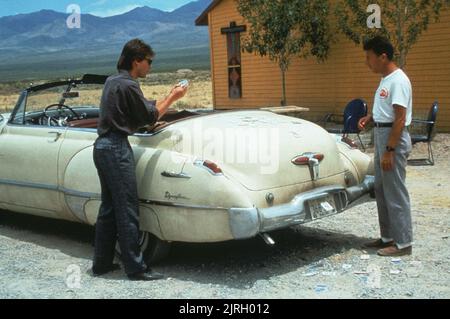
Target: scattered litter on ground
[[321, 288], [347, 267], [396, 261], [329, 273], [310, 274]]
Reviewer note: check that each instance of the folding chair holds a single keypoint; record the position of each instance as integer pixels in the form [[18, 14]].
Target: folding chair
[[425, 135], [353, 112]]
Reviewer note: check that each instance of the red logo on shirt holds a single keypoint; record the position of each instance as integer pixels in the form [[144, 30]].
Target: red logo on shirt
[[384, 94]]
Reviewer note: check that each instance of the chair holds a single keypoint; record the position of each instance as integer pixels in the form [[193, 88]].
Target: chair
[[424, 135], [353, 112]]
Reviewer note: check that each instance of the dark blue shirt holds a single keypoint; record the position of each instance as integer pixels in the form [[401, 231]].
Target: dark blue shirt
[[123, 107]]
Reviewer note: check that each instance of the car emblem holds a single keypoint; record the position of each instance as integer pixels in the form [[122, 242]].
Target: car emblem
[[312, 160]]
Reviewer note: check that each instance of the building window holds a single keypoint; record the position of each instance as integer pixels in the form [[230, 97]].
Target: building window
[[233, 34]]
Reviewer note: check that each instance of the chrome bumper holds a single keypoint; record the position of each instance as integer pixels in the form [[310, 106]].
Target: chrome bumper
[[248, 222]]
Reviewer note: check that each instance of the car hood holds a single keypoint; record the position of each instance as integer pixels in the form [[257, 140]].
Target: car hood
[[256, 148]]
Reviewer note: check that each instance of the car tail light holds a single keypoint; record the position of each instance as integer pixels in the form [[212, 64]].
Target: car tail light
[[304, 159], [301, 160], [211, 166]]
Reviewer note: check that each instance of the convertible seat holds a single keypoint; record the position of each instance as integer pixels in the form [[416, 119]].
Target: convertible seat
[[85, 123]]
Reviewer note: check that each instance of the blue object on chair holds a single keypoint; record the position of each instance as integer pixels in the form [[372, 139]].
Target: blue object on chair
[[353, 112], [425, 136]]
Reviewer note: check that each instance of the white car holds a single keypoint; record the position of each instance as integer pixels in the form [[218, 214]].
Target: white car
[[202, 176]]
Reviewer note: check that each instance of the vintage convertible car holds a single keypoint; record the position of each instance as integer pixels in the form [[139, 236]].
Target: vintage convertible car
[[202, 176]]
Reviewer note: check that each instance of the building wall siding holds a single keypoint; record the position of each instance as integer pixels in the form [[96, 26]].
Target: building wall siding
[[327, 87]]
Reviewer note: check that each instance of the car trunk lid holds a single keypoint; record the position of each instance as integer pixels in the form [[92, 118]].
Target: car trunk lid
[[258, 149]]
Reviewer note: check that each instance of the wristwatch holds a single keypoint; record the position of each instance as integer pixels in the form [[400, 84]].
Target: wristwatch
[[390, 149]]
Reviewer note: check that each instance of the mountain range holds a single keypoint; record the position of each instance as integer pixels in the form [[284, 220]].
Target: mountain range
[[40, 42]]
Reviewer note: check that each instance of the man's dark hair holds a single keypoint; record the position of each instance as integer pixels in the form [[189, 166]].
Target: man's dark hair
[[380, 45], [135, 49]]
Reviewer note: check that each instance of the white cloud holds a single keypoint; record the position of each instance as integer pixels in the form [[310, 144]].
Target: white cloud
[[114, 11], [95, 5], [98, 3]]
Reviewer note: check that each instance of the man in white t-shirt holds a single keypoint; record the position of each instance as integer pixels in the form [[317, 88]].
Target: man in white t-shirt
[[392, 112]]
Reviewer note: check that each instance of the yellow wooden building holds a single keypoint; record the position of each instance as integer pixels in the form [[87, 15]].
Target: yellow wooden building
[[242, 80]]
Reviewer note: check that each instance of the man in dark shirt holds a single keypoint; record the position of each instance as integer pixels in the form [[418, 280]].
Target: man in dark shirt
[[123, 110]]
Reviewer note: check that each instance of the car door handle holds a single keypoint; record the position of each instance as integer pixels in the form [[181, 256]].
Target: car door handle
[[175, 175], [58, 135]]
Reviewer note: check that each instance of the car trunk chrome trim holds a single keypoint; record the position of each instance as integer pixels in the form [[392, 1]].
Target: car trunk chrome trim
[[171, 204], [295, 212], [247, 222]]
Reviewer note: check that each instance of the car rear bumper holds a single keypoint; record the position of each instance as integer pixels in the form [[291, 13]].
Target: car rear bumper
[[248, 222]]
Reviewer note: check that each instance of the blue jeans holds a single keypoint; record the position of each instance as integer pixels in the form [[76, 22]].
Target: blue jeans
[[118, 217]]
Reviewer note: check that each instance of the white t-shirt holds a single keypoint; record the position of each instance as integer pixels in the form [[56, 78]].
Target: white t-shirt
[[394, 89]]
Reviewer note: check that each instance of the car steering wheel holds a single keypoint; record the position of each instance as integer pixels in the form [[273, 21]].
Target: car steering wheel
[[58, 120]]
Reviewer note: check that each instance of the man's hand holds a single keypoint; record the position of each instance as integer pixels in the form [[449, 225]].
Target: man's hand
[[364, 121], [387, 161], [177, 93]]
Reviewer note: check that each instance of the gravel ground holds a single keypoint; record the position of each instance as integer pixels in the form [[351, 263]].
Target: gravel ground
[[40, 257]]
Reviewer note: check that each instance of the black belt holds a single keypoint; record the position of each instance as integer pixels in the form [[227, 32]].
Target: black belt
[[380, 124], [115, 134]]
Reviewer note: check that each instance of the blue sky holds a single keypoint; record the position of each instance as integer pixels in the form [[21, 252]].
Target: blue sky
[[101, 8]]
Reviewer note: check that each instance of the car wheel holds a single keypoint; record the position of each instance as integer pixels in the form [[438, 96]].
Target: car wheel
[[153, 248]]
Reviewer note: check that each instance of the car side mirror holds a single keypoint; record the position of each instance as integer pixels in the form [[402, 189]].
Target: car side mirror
[[70, 95]]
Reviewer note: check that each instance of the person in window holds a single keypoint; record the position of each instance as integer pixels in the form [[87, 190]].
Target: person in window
[[123, 110], [234, 78], [234, 83]]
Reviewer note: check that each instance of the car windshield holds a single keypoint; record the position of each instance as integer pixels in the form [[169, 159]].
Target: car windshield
[[80, 96]]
